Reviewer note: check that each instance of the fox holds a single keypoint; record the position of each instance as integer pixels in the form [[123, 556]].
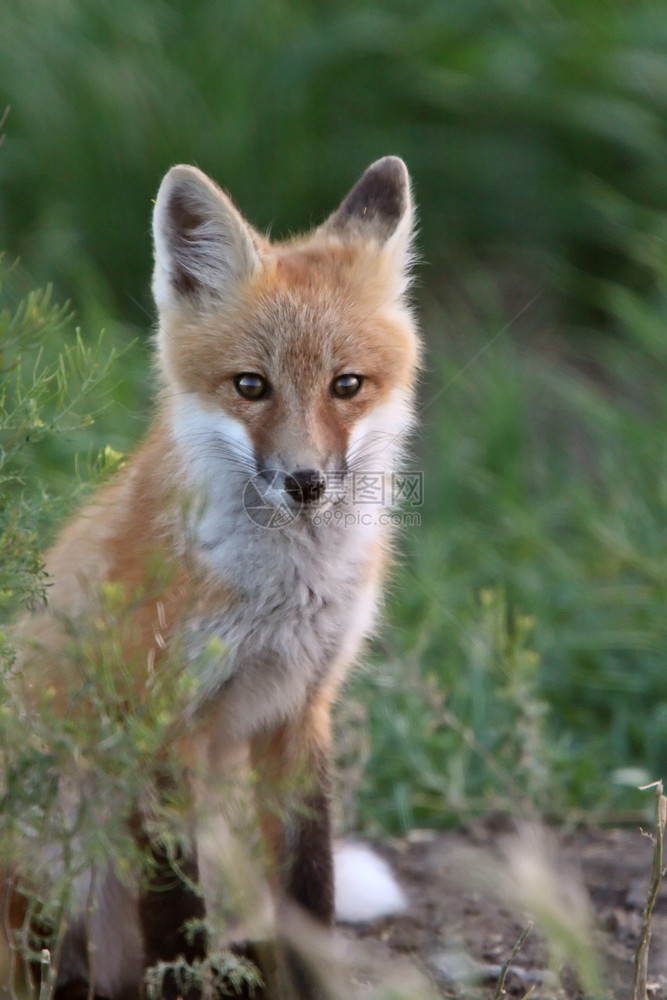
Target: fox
[[286, 386]]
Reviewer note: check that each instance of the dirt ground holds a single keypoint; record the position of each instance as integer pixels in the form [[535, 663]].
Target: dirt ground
[[455, 936]]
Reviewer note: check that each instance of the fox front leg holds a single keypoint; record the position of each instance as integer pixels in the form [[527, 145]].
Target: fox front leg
[[294, 772], [171, 906], [169, 903]]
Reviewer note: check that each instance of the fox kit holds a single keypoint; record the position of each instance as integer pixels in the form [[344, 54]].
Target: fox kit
[[286, 383]]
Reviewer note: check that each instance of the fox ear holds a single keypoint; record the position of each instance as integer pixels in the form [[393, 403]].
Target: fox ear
[[379, 209], [202, 243], [379, 206]]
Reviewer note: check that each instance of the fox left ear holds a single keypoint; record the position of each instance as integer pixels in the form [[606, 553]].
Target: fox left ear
[[379, 209]]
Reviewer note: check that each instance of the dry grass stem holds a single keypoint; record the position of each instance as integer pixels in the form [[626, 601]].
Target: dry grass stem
[[641, 958], [90, 934], [512, 955], [45, 975]]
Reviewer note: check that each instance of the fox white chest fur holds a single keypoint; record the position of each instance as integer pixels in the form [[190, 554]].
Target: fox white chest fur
[[304, 584], [286, 379]]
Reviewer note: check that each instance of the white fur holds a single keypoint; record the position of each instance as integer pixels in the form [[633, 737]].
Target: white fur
[[381, 434], [303, 572], [366, 888]]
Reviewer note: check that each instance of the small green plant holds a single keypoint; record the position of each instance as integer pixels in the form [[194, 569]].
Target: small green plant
[[220, 975], [75, 784], [44, 394], [71, 782], [478, 744]]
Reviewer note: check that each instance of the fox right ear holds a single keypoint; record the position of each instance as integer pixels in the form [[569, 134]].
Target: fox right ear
[[378, 205], [379, 209], [202, 243]]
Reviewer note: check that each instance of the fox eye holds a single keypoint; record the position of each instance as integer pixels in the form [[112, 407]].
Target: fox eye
[[345, 386], [250, 385]]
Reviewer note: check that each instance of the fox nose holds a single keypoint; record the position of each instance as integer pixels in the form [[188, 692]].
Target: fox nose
[[305, 485]]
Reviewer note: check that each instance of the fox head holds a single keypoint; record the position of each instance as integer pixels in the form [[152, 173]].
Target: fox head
[[291, 361]]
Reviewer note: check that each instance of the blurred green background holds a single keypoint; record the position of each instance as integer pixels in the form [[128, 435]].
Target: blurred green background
[[523, 666]]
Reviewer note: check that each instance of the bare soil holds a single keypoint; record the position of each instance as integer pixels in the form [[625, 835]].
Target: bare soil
[[455, 936]]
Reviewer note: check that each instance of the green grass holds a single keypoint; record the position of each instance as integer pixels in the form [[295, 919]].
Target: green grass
[[534, 131], [523, 662]]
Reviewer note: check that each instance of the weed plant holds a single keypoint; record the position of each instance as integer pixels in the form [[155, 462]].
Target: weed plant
[[71, 783], [523, 664]]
